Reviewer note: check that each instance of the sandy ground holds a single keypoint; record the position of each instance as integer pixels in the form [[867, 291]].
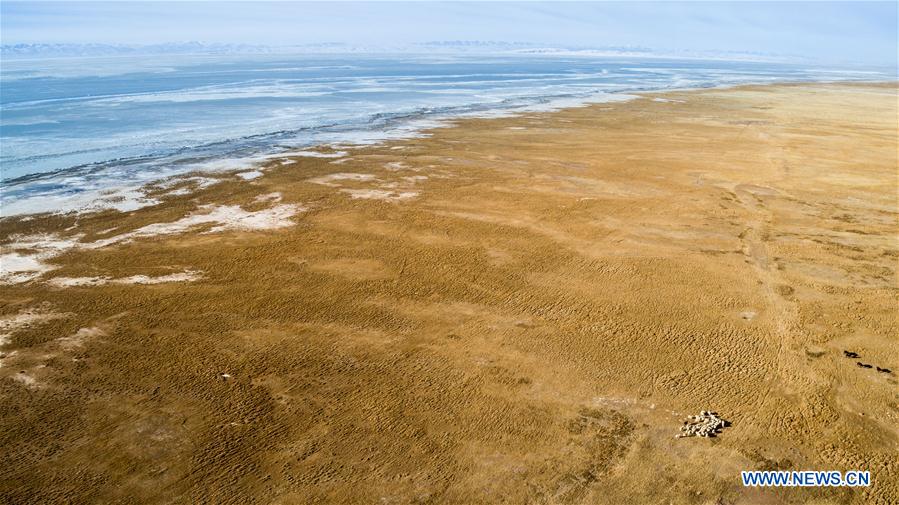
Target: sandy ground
[[517, 310]]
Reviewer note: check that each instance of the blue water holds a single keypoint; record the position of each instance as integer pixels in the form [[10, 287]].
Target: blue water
[[73, 126]]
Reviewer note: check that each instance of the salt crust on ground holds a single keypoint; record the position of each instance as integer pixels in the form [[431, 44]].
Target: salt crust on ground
[[330, 179], [66, 282], [25, 319], [28, 256], [379, 194]]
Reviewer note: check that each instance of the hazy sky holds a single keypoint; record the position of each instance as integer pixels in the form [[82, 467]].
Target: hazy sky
[[865, 32]]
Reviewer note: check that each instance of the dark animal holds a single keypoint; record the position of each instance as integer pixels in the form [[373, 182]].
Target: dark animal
[[850, 354], [884, 370], [863, 365]]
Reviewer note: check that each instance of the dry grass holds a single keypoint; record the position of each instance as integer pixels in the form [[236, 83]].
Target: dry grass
[[530, 327]]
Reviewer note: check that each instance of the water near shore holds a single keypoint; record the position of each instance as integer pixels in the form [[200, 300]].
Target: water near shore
[[75, 129]]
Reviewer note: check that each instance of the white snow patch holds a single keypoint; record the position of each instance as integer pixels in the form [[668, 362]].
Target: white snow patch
[[248, 176], [317, 154], [223, 217], [194, 184], [93, 200], [23, 265], [67, 282], [187, 276], [226, 165], [16, 268], [44, 242]]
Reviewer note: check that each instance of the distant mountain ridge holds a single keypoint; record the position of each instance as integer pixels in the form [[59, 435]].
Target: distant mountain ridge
[[51, 50], [54, 50]]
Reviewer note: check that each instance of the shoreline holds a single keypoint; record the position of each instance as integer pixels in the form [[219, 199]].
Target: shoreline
[[95, 202], [523, 308]]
